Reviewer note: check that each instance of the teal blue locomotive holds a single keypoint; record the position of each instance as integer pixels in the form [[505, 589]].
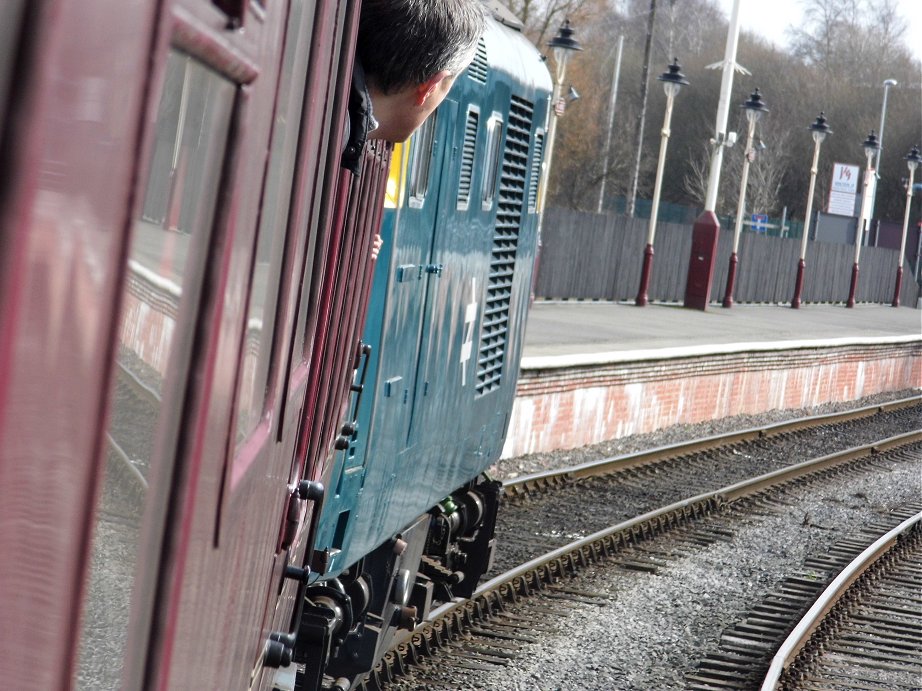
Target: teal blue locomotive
[[409, 513]]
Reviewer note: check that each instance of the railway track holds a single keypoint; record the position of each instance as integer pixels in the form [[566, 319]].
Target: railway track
[[538, 510], [747, 654], [866, 627], [485, 632]]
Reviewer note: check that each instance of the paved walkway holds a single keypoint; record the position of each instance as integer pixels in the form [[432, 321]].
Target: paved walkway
[[587, 328]]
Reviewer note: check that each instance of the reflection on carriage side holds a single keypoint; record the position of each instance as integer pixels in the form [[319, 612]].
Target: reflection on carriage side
[[169, 239]]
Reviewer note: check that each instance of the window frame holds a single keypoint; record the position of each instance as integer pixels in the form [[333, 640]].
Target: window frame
[[424, 142], [492, 157]]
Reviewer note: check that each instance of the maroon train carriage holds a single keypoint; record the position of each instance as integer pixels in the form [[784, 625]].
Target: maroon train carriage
[[183, 265]]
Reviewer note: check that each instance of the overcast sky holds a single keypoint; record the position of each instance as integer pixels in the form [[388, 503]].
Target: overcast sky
[[771, 18]]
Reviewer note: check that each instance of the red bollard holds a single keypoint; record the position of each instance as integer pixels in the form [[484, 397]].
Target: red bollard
[[702, 260]]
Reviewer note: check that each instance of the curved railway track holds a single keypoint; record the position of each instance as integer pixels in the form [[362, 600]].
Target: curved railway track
[[866, 627], [485, 614], [538, 512], [783, 620]]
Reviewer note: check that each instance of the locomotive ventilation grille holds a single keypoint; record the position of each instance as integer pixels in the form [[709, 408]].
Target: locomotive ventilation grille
[[495, 329], [535, 173], [467, 159], [477, 70]]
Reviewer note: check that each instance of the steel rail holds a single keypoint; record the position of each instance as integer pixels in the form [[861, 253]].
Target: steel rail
[[545, 569], [737, 491], [132, 379], [125, 462], [799, 637], [521, 485]]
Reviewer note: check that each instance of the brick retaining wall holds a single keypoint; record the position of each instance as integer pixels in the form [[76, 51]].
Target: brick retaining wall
[[568, 407]]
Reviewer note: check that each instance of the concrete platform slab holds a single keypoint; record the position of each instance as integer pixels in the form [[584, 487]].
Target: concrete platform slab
[[576, 327]]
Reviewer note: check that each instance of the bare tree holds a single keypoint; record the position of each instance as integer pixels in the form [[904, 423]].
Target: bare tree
[[849, 37], [767, 173], [841, 55], [695, 180], [542, 17]]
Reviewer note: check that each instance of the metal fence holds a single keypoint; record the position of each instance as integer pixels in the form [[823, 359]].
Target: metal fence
[[679, 213], [591, 256]]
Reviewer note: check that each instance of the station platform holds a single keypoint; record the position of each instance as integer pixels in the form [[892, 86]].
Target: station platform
[[593, 371]]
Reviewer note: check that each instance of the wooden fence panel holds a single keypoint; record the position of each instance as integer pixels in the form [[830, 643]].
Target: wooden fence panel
[[632, 236], [724, 249], [614, 275], [599, 257], [671, 250]]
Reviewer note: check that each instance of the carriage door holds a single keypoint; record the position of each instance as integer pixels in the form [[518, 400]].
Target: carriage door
[[72, 89], [161, 574]]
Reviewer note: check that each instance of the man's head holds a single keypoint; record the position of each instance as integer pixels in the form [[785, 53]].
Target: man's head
[[412, 51]]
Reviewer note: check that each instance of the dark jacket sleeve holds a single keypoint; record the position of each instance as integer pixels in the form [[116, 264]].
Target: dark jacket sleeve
[[359, 123]]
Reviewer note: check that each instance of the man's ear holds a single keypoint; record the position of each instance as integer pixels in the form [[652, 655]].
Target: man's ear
[[423, 91]]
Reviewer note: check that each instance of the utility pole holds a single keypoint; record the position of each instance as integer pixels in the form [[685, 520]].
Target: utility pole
[[611, 121], [638, 149], [707, 228]]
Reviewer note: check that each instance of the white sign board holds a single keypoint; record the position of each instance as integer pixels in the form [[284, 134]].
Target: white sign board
[[844, 178], [841, 204], [843, 189]]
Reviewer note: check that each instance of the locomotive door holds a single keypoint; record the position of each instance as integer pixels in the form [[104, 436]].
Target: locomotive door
[[415, 272], [158, 553], [436, 317]]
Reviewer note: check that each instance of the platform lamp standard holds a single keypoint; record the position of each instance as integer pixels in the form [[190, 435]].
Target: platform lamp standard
[[673, 81], [755, 108], [880, 140], [563, 46], [912, 162], [871, 147], [820, 131]]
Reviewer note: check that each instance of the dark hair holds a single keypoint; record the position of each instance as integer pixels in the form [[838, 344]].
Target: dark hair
[[404, 42]]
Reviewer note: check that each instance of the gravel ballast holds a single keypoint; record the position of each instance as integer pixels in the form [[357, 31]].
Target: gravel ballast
[[656, 628]]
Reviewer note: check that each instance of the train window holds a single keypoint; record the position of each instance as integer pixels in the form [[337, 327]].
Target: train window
[[468, 153], [421, 163], [492, 157], [172, 233], [264, 285]]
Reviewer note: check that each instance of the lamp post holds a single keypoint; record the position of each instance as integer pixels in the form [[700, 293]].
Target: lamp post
[[754, 108], [820, 131], [563, 46], [871, 147], [912, 162], [673, 80], [880, 140]]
